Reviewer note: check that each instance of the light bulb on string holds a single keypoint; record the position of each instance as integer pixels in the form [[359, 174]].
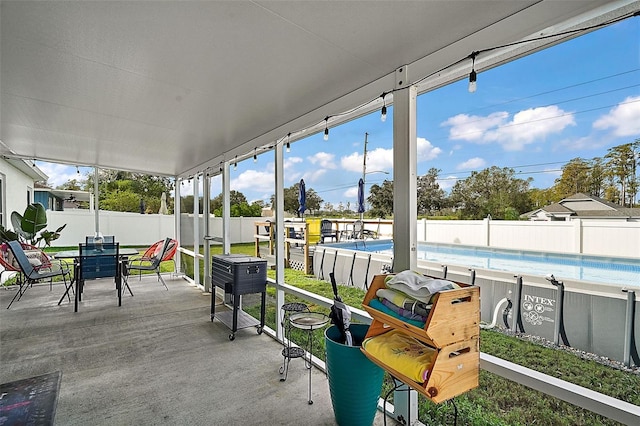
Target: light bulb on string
[[383, 112], [235, 164], [288, 143], [255, 156], [473, 76], [326, 128]]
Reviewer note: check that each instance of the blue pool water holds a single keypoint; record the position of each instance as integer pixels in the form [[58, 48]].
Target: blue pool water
[[610, 270]]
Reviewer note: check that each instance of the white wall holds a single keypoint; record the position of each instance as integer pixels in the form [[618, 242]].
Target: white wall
[[15, 186]]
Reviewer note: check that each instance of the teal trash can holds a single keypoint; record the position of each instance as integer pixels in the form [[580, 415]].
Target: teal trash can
[[354, 381]]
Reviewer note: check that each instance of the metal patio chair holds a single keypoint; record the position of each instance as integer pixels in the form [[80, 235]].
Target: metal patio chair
[[39, 268], [152, 258]]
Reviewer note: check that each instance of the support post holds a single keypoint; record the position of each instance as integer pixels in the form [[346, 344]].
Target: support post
[[628, 326], [226, 209], [196, 231], [404, 173], [279, 231], [177, 223], [206, 194]]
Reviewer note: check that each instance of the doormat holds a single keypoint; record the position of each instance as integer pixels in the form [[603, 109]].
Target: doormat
[[30, 401]]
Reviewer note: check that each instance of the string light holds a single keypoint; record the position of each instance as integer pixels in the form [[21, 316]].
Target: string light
[[77, 170], [255, 156], [235, 164], [472, 76], [326, 128]]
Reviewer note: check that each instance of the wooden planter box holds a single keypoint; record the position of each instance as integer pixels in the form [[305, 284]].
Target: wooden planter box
[[452, 329]]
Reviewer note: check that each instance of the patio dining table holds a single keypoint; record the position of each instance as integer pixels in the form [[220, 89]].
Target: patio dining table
[[123, 253]]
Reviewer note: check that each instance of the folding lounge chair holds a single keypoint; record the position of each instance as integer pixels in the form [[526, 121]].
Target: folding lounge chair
[[34, 272]]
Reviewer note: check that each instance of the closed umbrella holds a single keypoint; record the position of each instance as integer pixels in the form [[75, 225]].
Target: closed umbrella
[[361, 196], [163, 204], [302, 198]]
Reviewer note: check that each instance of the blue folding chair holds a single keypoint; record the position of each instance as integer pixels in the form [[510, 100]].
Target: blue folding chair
[[95, 262]]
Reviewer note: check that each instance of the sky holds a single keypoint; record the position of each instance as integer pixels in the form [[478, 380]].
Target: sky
[[535, 114]]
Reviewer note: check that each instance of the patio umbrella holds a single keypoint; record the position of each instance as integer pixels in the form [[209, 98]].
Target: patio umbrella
[[361, 196], [302, 198], [163, 204]]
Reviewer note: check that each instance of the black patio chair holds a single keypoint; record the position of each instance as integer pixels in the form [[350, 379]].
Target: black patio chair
[[32, 273], [327, 231]]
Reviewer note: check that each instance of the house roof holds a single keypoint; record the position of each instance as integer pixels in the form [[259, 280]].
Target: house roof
[[172, 88], [585, 206], [29, 168]]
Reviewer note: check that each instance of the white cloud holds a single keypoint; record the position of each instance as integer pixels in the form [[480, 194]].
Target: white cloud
[[382, 159], [624, 118], [254, 180], [351, 192], [288, 162], [447, 182], [60, 173], [472, 164], [323, 159], [525, 127], [377, 159], [472, 127], [426, 151], [313, 176], [529, 126]]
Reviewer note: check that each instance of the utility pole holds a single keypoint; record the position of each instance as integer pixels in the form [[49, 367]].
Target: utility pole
[[364, 171], [364, 159]]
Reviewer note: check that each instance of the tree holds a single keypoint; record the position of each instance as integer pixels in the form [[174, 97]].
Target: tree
[[542, 197], [431, 197], [621, 162], [235, 198], [381, 199], [118, 189], [291, 204], [72, 185], [493, 191], [574, 179]]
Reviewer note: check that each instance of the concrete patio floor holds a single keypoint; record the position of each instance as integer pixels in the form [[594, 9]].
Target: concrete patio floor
[[157, 359]]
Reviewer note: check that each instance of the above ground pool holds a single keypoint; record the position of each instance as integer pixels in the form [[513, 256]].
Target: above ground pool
[[610, 270]]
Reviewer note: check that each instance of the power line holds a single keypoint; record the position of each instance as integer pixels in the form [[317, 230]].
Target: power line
[[555, 90]]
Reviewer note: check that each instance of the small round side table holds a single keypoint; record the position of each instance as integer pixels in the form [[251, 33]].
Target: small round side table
[[310, 322]]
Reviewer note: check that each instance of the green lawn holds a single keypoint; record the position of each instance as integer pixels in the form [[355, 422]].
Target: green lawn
[[497, 401]]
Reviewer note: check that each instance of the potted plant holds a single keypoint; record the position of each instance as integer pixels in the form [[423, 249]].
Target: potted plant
[[30, 227]]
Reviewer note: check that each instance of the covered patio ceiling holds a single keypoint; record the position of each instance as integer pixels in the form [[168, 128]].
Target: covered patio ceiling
[[172, 88]]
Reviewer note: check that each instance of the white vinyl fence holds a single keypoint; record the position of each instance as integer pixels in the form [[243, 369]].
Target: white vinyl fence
[[592, 237]]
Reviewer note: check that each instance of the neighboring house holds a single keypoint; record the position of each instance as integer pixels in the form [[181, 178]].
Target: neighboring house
[[60, 199], [582, 206], [17, 183]]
